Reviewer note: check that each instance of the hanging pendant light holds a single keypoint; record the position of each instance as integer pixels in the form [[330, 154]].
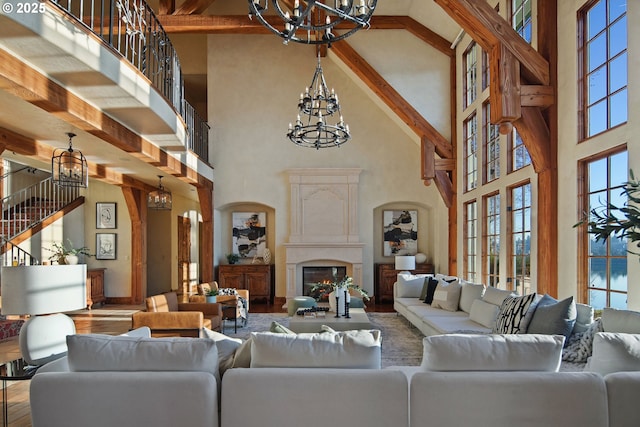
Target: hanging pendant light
[[69, 167], [159, 199]]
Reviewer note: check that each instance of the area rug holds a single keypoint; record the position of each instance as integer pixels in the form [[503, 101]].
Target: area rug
[[401, 342]]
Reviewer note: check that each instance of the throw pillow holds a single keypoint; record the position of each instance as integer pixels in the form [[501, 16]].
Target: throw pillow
[[462, 352], [614, 352], [425, 288], [484, 313], [349, 349], [495, 296], [431, 289], [242, 357], [469, 293], [625, 321], [447, 296], [409, 285], [227, 348], [584, 318], [514, 315], [279, 329], [553, 317]]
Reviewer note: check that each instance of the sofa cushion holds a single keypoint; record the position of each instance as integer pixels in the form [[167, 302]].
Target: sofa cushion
[[93, 352], [484, 313], [495, 296], [553, 317], [431, 284], [614, 352], [447, 296], [515, 314], [425, 287], [469, 293], [409, 285], [348, 349], [625, 321], [463, 352]]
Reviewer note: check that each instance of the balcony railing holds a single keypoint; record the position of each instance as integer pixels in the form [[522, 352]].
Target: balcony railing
[[131, 28]]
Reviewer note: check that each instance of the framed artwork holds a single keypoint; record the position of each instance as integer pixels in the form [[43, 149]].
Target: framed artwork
[[106, 215], [400, 230], [106, 245], [249, 234]]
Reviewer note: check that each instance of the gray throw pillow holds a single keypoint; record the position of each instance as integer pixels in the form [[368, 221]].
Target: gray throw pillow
[[553, 317]]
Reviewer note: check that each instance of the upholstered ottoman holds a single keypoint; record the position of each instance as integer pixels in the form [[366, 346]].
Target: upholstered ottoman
[[299, 302]]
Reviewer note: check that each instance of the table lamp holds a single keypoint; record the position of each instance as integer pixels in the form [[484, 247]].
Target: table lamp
[[405, 262], [44, 292]]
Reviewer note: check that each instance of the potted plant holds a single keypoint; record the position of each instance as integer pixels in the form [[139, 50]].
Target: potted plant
[[232, 258], [67, 253], [211, 295]]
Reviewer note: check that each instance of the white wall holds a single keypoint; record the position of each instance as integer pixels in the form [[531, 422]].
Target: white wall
[[253, 87]]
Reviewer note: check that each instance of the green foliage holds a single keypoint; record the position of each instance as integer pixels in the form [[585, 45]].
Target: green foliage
[[232, 258], [346, 283], [212, 292], [622, 222], [60, 250]]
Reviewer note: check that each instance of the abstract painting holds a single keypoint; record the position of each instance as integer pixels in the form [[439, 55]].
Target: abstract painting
[[400, 229], [249, 234]]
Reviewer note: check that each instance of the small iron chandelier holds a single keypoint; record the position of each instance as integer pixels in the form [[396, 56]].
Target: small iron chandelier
[[312, 21], [69, 167], [317, 105], [160, 199]]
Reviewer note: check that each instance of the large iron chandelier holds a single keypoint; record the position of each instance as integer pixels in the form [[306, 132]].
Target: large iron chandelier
[[313, 21], [69, 167], [160, 199], [316, 106]]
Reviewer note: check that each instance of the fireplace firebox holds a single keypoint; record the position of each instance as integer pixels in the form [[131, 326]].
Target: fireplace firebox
[[314, 275]]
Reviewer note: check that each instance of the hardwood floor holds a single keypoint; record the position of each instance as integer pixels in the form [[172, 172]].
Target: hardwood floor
[[111, 320]]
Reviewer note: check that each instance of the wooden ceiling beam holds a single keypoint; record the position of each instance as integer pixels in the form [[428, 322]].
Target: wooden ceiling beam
[[165, 7], [505, 85], [190, 7], [485, 25], [534, 131], [536, 96], [403, 109]]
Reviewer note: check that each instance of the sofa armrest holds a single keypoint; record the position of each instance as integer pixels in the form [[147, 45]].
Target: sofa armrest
[[208, 309]]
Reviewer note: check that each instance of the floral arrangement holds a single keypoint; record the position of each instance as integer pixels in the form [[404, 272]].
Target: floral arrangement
[[324, 289]]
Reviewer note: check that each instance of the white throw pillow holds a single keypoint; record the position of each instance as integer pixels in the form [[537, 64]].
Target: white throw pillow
[[447, 296], [625, 321], [495, 296], [584, 318], [469, 293], [409, 285], [463, 352], [614, 352], [93, 352], [484, 313], [348, 349], [226, 346]]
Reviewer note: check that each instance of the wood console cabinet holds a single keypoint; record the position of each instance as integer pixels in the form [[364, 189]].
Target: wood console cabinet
[[258, 279], [385, 275], [95, 287]]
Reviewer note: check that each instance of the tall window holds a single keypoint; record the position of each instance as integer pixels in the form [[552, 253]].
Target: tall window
[[521, 18], [491, 240], [520, 248], [604, 66], [518, 153], [470, 153], [469, 237], [606, 261], [490, 146], [470, 74]]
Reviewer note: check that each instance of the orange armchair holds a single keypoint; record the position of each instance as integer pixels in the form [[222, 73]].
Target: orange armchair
[[165, 316]]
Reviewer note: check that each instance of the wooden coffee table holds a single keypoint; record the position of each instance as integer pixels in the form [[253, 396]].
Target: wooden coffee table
[[358, 320]]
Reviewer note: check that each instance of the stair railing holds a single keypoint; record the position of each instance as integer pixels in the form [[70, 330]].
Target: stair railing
[[14, 255], [31, 205]]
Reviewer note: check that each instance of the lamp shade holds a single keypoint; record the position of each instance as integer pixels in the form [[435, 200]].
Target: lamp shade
[[405, 262], [43, 289]]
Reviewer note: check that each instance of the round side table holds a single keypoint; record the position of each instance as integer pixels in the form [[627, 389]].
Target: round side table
[[14, 370]]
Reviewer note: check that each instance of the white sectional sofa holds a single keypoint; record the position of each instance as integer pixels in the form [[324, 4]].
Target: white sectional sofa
[[141, 382]]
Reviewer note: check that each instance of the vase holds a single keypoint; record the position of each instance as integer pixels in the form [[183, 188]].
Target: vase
[[266, 256], [211, 299], [420, 258], [336, 301], [71, 259]]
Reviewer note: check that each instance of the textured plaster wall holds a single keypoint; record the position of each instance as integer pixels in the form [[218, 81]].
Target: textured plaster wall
[[253, 86]]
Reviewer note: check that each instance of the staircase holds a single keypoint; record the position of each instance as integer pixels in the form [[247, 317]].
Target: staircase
[[27, 211]]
